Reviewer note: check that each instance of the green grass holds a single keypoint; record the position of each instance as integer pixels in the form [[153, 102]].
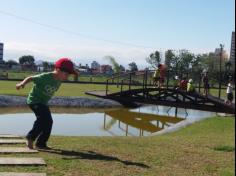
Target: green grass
[[24, 74], [66, 89], [189, 151], [225, 148], [73, 89]]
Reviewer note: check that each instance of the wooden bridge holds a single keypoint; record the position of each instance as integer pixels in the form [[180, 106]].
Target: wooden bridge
[[134, 88]]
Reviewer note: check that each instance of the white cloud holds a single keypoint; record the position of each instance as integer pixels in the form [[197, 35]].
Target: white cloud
[[83, 52], [80, 53]]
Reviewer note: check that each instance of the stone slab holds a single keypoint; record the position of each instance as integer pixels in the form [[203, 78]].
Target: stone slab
[[21, 161], [16, 150], [21, 174], [12, 141], [9, 136]]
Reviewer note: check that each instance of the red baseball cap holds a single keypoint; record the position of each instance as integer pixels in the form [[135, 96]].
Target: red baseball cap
[[66, 65]]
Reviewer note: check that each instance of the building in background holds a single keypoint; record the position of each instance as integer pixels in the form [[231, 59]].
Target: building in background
[[95, 65], [106, 69], [232, 51], [1, 52], [217, 56]]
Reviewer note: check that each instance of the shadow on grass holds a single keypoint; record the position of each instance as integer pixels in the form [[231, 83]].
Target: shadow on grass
[[91, 155], [225, 148]]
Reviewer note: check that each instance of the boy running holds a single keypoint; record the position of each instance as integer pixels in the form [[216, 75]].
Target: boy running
[[44, 86]]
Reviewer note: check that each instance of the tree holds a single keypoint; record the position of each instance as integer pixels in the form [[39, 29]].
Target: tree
[[122, 68], [154, 59], [27, 60], [133, 67], [169, 58], [45, 65], [228, 66], [115, 66], [10, 63], [185, 60]]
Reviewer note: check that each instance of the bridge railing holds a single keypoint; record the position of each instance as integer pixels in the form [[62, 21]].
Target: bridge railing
[[144, 79]]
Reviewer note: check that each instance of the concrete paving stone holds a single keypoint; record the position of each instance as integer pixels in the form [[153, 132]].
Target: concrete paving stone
[[21, 174], [9, 136], [21, 161], [12, 141], [5, 150]]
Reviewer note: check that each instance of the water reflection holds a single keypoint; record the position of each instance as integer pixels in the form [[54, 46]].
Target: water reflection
[[99, 122], [142, 121]]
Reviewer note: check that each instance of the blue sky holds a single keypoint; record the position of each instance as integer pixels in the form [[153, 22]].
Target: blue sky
[[129, 30]]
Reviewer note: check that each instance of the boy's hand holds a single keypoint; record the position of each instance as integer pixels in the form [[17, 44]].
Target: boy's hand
[[19, 86]]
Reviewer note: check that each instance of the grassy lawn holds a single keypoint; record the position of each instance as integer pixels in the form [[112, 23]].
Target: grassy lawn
[[73, 89], [24, 74], [66, 89], [204, 148]]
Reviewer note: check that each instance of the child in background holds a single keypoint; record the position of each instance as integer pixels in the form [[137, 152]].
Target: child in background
[[229, 92], [206, 85], [156, 77], [183, 84], [163, 70], [190, 86], [176, 82], [44, 86]]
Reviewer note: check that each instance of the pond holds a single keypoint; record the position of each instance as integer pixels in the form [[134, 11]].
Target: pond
[[101, 122]]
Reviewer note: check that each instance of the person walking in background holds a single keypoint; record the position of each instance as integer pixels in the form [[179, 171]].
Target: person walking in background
[[206, 85], [229, 93], [163, 69], [156, 77], [44, 86], [176, 83], [183, 84], [190, 86]]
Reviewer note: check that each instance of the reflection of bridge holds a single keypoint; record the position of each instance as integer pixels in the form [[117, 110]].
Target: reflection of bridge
[[142, 121], [133, 88]]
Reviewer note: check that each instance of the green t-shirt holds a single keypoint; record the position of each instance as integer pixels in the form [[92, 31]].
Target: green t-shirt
[[156, 73], [190, 87], [43, 89]]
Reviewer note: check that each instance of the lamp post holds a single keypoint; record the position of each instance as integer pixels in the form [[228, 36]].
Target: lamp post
[[221, 53]]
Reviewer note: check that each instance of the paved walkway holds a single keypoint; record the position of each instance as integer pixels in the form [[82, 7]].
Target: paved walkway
[[12, 141], [7, 139]]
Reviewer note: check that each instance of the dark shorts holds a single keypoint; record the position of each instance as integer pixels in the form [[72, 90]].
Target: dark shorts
[[162, 80], [206, 86], [230, 96]]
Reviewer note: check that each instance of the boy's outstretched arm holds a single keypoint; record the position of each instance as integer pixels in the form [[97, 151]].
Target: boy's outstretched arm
[[23, 83]]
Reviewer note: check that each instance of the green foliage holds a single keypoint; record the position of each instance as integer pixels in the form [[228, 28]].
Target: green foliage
[[154, 59], [26, 60], [170, 58], [115, 66], [133, 66]]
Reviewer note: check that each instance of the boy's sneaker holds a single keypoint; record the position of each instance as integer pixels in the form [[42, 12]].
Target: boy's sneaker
[[42, 147], [30, 143]]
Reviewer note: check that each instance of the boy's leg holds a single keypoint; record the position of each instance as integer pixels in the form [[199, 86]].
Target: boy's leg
[[37, 127], [46, 128]]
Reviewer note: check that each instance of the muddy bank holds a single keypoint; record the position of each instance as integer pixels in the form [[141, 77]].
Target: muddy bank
[[10, 101]]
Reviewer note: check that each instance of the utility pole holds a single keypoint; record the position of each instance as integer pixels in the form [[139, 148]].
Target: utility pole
[[221, 57]]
